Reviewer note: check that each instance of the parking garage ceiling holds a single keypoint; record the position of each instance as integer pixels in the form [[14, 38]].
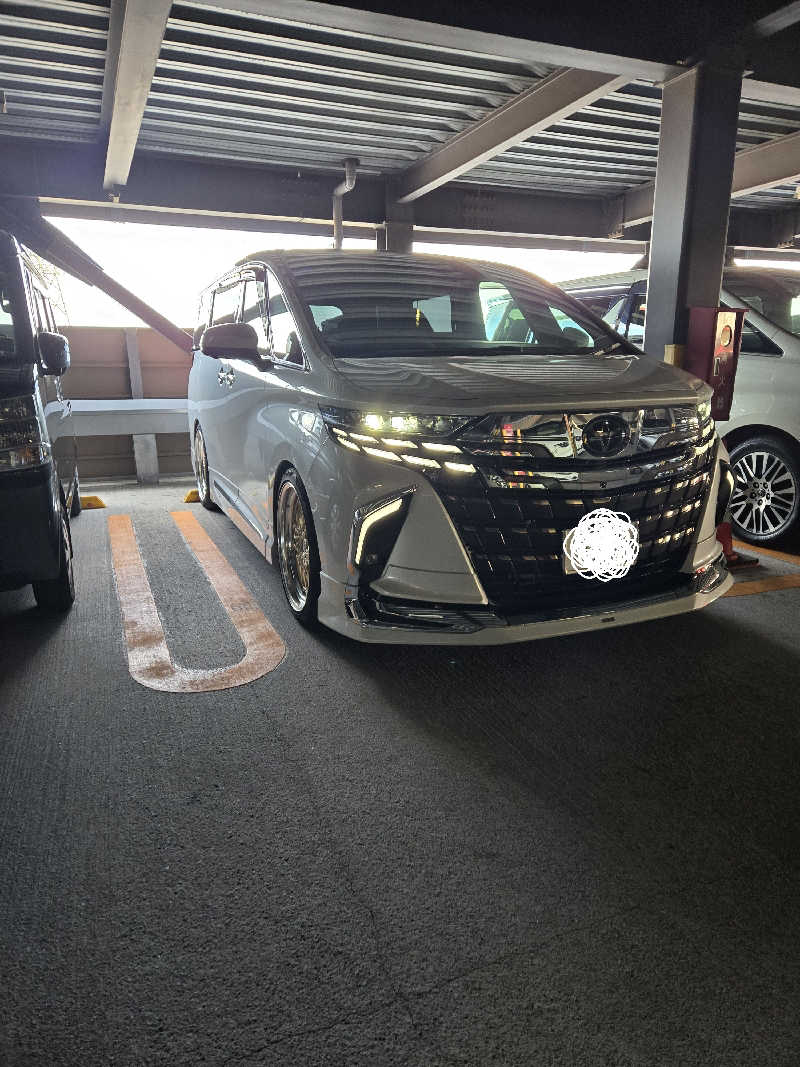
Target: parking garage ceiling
[[419, 103]]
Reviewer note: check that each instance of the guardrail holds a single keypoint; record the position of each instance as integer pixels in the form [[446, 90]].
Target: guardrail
[[143, 418], [97, 418]]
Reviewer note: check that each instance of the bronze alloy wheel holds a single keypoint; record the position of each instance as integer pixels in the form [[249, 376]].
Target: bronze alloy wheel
[[294, 549]]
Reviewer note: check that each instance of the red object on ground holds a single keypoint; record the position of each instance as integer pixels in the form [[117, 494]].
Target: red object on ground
[[725, 538]]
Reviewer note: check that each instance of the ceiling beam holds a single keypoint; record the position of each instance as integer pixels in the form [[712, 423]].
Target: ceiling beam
[[777, 20], [765, 165], [22, 218], [71, 175], [448, 38], [542, 105], [116, 16], [760, 167], [143, 25], [770, 92]]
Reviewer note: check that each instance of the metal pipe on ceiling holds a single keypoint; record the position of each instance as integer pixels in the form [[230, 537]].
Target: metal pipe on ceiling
[[346, 186]]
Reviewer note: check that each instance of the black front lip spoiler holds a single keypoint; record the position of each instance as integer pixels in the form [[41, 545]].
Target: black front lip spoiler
[[387, 613]]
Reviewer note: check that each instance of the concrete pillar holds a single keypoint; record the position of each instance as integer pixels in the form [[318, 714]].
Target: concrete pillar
[[145, 452], [697, 144]]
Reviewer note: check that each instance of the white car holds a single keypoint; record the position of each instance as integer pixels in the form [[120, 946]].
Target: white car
[[763, 432], [416, 478]]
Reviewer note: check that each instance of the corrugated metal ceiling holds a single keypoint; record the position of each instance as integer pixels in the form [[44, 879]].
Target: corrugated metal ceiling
[[251, 89]]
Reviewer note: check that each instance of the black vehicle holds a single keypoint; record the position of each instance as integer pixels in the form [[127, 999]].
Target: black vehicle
[[38, 462]]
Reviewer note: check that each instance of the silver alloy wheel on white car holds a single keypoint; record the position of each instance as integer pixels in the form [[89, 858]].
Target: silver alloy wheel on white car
[[764, 499], [200, 464], [294, 549]]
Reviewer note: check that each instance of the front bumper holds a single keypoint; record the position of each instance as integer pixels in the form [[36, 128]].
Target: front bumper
[[413, 622], [432, 590]]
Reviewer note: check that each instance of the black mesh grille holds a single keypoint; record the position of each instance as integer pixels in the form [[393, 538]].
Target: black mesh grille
[[515, 537]]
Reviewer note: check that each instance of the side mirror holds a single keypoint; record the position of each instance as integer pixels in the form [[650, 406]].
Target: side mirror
[[53, 352], [230, 340]]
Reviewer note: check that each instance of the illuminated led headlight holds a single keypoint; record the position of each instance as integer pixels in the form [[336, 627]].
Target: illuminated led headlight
[[392, 425]]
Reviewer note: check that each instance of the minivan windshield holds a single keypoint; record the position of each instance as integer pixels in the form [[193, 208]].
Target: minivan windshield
[[8, 345], [374, 306], [773, 294]]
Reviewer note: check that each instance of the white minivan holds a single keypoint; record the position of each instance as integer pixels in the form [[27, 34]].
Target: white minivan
[[763, 432]]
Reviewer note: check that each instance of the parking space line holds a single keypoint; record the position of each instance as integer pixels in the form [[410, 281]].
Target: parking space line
[[149, 660], [765, 585]]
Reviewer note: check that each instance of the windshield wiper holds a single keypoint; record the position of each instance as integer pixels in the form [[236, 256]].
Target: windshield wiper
[[615, 345]]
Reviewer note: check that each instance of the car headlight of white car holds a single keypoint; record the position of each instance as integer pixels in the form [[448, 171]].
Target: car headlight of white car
[[415, 440]]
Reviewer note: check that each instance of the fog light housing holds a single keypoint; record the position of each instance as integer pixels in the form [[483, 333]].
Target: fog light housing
[[374, 532]]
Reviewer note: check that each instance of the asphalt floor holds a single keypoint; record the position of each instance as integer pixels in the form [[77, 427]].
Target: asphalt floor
[[582, 851]]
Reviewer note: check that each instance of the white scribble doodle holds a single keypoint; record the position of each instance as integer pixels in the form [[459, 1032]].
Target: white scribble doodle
[[604, 545]]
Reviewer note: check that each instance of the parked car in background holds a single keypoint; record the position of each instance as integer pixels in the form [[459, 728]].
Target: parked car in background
[[38, 461], [412, 438], [763, 432]]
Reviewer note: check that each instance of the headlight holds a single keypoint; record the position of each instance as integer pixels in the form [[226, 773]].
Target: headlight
[[382, 423], [21, 442], [416, 441], [704, 410]]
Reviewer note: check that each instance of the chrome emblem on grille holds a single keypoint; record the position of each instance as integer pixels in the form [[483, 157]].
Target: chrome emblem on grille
[[606, 436]]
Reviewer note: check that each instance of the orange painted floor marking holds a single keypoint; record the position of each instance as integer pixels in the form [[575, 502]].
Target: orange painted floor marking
[[765, 585], [757, 550], [149, 661]]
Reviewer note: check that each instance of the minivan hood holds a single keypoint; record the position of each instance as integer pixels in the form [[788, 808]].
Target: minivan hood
[[477, 384]]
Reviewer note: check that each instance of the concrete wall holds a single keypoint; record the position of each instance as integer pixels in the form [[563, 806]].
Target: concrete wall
[[99, 371]]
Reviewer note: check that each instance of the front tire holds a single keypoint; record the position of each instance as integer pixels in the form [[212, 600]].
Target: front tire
[[298, 554], [58, 594], [200, 462], [765, 503], [75, 504]]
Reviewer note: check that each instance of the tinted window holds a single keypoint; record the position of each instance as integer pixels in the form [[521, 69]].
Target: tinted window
[[433, 307], [773, 294], [7, 335], [613, 314]]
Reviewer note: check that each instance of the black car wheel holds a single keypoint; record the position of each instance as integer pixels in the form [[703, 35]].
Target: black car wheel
[[200, 459], [298, 554], [765, 503], [58, 594], [75, 505]]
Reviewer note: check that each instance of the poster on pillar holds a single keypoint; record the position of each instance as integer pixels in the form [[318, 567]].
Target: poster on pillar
[[712, 352]]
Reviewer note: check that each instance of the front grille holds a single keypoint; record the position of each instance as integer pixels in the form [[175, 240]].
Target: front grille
[[515, 537]]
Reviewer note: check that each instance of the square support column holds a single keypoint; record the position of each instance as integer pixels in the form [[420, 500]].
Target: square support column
[[397, 234], [145, 451], [696, 149]]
